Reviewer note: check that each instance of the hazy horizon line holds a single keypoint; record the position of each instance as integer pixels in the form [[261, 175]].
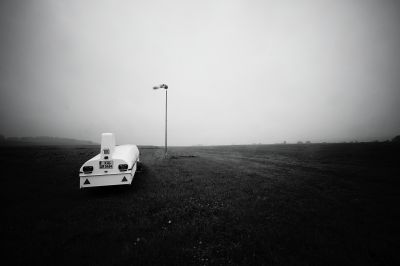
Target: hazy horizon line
[[306, 141]]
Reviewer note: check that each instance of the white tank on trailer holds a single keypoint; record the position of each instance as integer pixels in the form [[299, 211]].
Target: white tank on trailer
[[114, 165]]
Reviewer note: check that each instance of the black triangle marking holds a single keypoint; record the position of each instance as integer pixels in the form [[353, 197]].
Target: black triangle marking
[[86, 182], [124, 179]]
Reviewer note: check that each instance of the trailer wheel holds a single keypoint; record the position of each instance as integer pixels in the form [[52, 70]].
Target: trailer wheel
[[139, 167]]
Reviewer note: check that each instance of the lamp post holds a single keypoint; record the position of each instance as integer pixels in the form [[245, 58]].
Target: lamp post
[[164, 86]]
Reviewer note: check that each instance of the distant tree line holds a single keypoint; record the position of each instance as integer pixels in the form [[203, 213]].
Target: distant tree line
[[394, 140], [43, 140], [307, 142]]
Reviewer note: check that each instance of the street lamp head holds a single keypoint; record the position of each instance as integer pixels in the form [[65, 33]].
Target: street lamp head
[[162, 86]]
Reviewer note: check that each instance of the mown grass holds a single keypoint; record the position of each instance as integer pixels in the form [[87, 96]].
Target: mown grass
[[264, 204]]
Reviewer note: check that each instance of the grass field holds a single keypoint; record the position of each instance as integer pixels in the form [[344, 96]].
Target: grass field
[[318, 204]]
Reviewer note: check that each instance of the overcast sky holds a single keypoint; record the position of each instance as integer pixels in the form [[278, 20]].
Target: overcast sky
[[239, 71]]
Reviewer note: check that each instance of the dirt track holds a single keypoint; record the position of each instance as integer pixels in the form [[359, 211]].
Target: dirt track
[[269, 204]]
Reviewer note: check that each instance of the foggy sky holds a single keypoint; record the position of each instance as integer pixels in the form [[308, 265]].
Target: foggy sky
[[238, 71]]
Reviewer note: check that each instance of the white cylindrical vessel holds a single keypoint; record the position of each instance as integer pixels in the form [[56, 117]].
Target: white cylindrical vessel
[[114, 165]]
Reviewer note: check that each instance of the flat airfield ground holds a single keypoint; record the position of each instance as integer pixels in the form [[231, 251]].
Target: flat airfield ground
[[317, 204]]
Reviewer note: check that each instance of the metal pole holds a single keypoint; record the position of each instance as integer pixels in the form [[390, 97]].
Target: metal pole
[[166, 113]]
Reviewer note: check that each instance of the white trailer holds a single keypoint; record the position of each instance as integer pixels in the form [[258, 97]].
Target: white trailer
[[115, 165]]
